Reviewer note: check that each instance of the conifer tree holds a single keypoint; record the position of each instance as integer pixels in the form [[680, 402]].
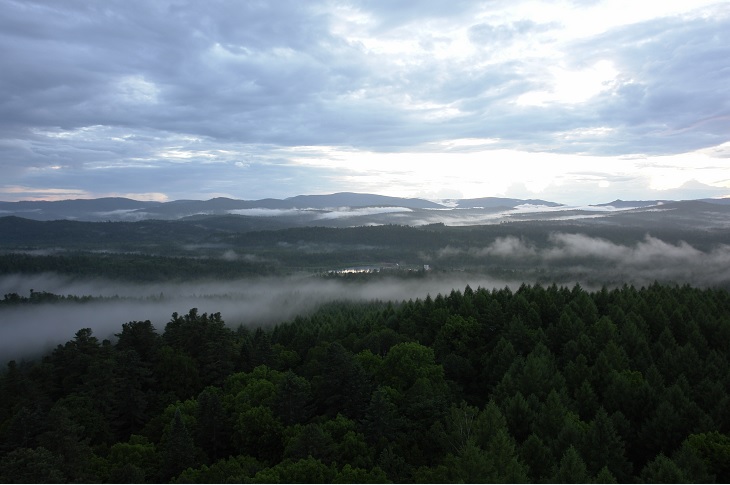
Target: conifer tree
[[178, 450]]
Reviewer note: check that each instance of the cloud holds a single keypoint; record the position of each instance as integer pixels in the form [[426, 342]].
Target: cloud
[[345, 212], [101, 98], [508, 247], [28, 330], [651, 251], [502, 247], [662, 105], [263, 212], [599, 260]]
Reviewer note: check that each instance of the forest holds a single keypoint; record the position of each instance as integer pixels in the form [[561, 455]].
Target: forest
[[537, 384], [592, 252]]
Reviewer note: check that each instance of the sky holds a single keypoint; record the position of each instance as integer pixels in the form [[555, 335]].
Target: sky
[[577, 102]]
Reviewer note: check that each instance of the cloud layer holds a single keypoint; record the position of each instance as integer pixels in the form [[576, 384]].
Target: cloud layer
[[177, 99], [265, 301], [594, 259]]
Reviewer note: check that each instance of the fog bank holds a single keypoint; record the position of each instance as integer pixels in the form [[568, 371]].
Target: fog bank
[[26, 330], [598, 259]]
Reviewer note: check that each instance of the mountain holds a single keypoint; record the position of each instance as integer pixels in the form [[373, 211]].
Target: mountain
[[638, 204], [85, 209], [351, 199], [347, 209], [501, 202], [723, 201], [631, 204], [120, 209]]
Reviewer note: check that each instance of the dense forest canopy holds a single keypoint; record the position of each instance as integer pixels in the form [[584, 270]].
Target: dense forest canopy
[[539, 384]]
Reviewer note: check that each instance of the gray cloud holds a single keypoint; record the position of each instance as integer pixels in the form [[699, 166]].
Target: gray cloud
[[265, 301], [674, 93], [96, 92], [492, 35], [595, 259]]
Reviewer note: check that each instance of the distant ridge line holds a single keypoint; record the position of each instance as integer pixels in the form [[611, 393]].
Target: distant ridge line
[[310, 208]]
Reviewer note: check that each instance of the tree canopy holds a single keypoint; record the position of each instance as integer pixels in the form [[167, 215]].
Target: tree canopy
[[541, 384]]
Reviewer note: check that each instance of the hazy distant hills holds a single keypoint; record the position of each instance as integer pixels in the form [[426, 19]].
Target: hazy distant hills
[[501, 202], [354, 209], [634, 204], [631, 204], [121, 209], [349, 199], [682, 240]]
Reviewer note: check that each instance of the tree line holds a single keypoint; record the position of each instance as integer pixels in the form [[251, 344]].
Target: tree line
[[541, 384]]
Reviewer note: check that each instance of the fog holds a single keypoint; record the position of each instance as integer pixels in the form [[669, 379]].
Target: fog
[[27, 330], [320, 214], [523, 213], [640, 263]]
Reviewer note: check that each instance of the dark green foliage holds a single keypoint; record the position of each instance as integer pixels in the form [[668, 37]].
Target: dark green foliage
[[258, 433], [662, 470], [213, 424], [142, 338], [344, 386], [178, 450], [572, 468], [294, 399], [544, 384], [31, 465]]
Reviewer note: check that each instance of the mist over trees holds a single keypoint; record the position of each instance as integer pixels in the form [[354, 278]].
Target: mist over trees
[[540, 384], [218, 349]]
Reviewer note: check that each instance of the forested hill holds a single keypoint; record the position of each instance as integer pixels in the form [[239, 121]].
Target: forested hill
[[225, 248], [541, 384]]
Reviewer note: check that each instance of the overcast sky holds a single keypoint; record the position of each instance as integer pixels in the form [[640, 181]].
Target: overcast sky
[[574, 102]]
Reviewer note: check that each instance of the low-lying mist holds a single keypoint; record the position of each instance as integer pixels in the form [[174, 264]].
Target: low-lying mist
[[592, 259], [27, 330]]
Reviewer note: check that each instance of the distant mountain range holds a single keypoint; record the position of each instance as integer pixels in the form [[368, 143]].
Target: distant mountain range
[[339, 209], [116, 208], [501, 202]]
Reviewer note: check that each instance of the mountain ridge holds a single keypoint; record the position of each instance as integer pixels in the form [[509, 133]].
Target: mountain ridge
[[365, 208], [121, 208]]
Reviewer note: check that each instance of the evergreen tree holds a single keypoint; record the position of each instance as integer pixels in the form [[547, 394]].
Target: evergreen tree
[[662, 470], [604, 447], [31, 465], [539, 459], [213, 427], [294, 400], [178, 449], [572, 468]]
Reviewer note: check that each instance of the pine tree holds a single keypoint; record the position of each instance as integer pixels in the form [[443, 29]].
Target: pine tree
[[604, 447], [178, 450], [572, 468], [662, 470]]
